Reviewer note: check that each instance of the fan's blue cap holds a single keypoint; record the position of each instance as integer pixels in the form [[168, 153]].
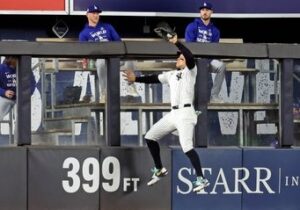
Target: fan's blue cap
[[206, 5], [93, 8]]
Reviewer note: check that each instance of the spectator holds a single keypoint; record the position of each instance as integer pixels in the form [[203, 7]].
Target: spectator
[[203, 30], [96, 31], [8, 82]]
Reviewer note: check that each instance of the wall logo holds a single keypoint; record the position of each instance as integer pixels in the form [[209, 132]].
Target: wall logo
[[239, 180]]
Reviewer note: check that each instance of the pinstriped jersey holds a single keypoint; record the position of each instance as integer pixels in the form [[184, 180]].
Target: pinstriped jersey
[[181, 83]]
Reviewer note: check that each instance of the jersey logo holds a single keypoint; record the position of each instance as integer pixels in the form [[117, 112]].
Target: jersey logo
[[178, 75]]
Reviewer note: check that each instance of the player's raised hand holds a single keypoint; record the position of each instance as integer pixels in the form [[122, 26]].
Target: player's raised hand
[[173, 39], [129, 75]]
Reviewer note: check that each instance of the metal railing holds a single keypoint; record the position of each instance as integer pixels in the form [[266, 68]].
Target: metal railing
[[114, 51]]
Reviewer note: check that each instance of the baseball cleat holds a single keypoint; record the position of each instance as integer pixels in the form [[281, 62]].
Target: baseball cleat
[[200, 184], [157, 175]]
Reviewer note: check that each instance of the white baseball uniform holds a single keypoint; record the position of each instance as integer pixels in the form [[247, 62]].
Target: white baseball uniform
[[182, 116]]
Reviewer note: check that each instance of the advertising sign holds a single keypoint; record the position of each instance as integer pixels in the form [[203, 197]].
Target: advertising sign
[[189, 8], [276, 185], [34, 7], [247, 179], [221, 167]]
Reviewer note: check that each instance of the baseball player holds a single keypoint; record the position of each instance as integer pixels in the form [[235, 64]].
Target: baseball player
[[8, 82], [182, 116], [203, 30], [96, 31]]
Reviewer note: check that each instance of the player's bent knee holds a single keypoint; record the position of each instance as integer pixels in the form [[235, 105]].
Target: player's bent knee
[[148, 140], [187, 148], [150, 137], [147, 136]]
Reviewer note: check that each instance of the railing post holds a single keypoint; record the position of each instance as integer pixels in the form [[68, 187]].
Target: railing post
[[201, 98], [23, 116], [113, 102], [286, 103]]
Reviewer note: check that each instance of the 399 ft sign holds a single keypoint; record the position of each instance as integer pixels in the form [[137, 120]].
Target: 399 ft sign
[[89, 170]]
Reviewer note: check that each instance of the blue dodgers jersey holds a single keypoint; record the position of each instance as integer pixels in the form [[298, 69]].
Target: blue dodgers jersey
[[103, 32], [8, 79], [197, 31]]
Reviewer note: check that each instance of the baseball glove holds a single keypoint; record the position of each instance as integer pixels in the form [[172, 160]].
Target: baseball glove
[[164, 31]]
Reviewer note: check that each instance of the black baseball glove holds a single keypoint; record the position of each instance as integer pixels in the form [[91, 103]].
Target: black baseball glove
[[165, 31]]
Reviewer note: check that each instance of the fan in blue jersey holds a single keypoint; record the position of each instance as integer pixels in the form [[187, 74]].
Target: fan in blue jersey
[[8, 82], [96, 31], [203, 30]]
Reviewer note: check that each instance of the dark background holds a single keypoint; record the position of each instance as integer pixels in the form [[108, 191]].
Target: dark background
[[252, 30]]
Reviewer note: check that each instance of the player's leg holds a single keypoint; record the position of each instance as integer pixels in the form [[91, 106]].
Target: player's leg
[[163, 127], [102, 77], [218, 67], [5, 106], [186, 134], [200, 182]]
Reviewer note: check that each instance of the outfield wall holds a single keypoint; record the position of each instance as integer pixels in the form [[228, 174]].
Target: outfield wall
[[115, 178]]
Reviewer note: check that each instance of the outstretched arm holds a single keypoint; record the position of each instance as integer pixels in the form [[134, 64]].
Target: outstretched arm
[[130, 77], [190, 61]]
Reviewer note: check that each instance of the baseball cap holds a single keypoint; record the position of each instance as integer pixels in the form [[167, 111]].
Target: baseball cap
[[206, 5], [93, 8]]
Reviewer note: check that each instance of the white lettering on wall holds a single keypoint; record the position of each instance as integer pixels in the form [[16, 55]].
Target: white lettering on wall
[[242, 180]]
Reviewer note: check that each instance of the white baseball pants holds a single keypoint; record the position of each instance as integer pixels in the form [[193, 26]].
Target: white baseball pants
[[183, 119], [218, 67], [5, 106]]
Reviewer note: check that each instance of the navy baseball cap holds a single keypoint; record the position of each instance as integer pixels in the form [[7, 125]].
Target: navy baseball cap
[[93, 8], [206, 5]]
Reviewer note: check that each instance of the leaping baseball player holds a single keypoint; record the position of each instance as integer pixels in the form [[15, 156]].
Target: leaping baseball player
[[182, 117]]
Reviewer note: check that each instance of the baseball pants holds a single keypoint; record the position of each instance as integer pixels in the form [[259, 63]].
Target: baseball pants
[[182, 119], [5, 106], [218, 67]]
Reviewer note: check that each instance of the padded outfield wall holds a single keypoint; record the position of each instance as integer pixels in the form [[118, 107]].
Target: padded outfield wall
[[115, 178]]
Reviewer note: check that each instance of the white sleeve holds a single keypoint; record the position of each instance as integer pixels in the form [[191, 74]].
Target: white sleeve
[[194, 70], [164, 77]]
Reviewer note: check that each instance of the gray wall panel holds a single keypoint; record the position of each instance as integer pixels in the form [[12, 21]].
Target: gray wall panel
[[46, 173], [135, 163], [13, 177]]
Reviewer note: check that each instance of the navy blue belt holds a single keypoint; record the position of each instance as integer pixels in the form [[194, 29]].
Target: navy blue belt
[[184, 105]]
